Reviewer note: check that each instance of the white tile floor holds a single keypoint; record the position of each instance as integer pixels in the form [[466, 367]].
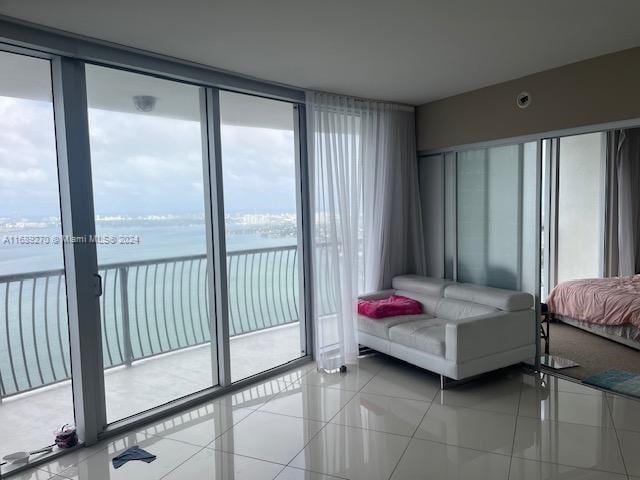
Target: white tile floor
[[34, 416], [383, 420]]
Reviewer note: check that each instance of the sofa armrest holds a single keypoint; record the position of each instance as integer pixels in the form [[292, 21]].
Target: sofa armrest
[[377, 295], [483, 335]]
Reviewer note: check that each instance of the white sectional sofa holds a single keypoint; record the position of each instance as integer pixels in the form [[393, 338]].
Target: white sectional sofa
[[464, 330]]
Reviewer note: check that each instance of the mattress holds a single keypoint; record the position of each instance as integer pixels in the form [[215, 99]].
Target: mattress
[[628, 335], [611, 301]]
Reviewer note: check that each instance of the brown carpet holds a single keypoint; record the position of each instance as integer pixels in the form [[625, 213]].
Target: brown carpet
[[594, 354]]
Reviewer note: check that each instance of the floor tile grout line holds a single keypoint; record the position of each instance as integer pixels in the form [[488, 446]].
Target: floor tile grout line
[[313, 436], [620, 450], [181, 463], [200, 449], [286, 386], [231, 407], [214, 439], [222, 450], [55, 476], [327, 423], [552, 420], [478, 410], [104, 447], [328, 475], [395, 396], [637, 432], [567, 465], [306, 444], [206, 447], [312, 419], [413, 435], [515, 430], [439, 442], [564, 422], [234, 454], [284, 467], [371, 430], [353, 395]]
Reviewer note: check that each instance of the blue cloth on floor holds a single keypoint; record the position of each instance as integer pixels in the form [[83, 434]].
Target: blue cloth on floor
[[132, 453], [619, 381]]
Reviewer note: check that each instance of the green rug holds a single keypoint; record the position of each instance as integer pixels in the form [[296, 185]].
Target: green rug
[[619, 381]]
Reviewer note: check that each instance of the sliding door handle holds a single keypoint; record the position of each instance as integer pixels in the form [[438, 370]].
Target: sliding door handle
[[97, 284]]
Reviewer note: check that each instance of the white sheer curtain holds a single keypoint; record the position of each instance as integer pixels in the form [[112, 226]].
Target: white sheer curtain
[[622, 256], [364, 199]]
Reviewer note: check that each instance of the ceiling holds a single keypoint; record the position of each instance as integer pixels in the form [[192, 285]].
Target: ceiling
[[409, 51], [111, 89]]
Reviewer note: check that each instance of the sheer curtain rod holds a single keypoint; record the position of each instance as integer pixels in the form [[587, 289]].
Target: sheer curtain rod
[[360, 100]]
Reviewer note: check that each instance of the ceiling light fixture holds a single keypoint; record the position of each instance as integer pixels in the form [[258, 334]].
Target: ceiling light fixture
[[145, 103]]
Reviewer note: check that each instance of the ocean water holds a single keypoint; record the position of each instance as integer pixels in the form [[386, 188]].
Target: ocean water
[[149, 241]]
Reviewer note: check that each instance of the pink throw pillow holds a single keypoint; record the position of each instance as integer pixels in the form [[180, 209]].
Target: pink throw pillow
[[389, 307]]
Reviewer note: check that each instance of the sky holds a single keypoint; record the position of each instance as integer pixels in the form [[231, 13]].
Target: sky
[[28, 168], [142, 164]]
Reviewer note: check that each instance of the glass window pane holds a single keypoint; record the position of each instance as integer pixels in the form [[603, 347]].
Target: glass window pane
[[148, 183], [34, 334], [580, 206], [261, 222]]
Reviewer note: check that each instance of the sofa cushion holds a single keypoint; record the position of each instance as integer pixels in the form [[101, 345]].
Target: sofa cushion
[[379, 327], [424, 335], [450, 309], [421, 285], [429, 302], [507, 300]]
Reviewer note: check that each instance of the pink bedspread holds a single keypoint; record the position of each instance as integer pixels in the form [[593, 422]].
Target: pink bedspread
[[606, 301]]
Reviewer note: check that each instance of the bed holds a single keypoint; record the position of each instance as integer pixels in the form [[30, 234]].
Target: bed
[[609, 307]]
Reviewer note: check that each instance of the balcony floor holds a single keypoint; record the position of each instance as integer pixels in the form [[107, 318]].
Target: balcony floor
[[31, 418]]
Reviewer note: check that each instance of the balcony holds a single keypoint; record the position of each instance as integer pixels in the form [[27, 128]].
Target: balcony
[[155, 334]]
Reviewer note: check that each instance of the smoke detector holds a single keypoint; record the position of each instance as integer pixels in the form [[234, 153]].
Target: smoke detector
[[145, 103], [523, 100]]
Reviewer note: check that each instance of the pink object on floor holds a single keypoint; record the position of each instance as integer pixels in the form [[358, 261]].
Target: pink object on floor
[[389, 307], [606, 301]]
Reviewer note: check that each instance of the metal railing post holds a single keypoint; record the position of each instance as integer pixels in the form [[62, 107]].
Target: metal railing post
[[124, 303], [265, 308]]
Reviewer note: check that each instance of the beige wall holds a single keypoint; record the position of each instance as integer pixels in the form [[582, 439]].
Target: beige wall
[[598, 90]]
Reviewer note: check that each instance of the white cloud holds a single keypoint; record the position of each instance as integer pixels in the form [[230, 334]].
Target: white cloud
[[141, 164]]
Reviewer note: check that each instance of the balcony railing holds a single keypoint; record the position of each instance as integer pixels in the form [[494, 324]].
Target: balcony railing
[[148, 308]]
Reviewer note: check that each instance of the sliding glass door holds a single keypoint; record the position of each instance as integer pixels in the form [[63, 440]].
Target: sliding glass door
[[150, 185], [496, 217], [34, 330], [262, 227]]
